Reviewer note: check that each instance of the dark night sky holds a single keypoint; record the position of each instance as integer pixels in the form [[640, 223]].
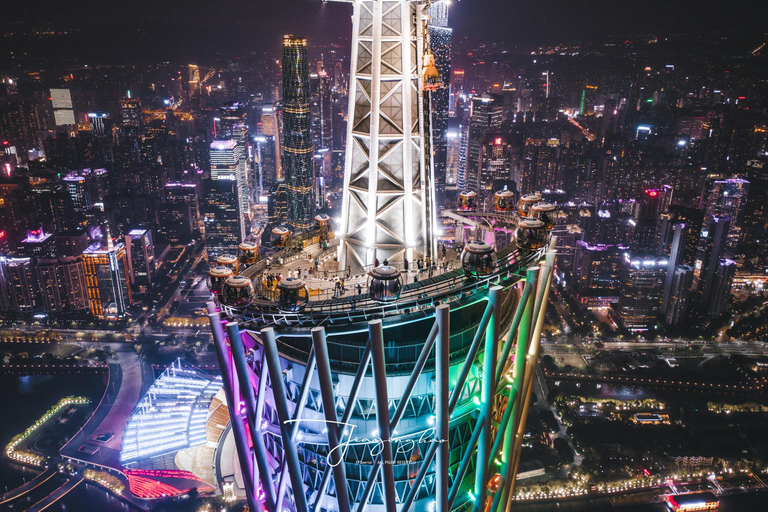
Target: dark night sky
[[182, 28]]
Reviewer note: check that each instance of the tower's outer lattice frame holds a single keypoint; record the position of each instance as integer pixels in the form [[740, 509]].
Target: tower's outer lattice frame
[[387, 205], [314, 409]]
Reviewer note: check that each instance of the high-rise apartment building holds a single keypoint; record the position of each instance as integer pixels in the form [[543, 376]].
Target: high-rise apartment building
[[298, 150]]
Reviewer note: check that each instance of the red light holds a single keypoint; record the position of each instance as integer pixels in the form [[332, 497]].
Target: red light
[[646, 472], [2, 235], [497, 141], [653, 193]]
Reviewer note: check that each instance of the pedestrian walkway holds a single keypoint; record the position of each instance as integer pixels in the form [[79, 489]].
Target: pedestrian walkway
[[326, 281]]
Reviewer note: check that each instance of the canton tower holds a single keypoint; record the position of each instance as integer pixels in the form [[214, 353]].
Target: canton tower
[[387, 211]]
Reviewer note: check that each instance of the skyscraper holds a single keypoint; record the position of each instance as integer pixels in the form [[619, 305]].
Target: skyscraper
[[678, 300], [220, 211], [486, 117], [388, 204], [727, 198], [440, 39], [298, 151], [141, 258], [231, 125], [714, 239], [226, 165], [642, 285], [106, 273], [679, 235]]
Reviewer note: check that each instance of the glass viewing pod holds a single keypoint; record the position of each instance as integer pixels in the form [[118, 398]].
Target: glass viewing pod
[[280, 236], [527, 202], [229, 261], [545, 212], [468, 201], [216, 278], [531, 234], [237, 292], [323, 222], [385, 284], [504, 201], [247, 254], [478, 259], [292, 295]]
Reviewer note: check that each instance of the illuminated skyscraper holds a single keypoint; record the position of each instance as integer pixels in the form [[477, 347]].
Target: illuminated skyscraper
[[387, 210], [141, 258], [440, 39], [222, 220], [486, 117], [298, 151], [727, 198], [106, 273], [226, 165], [231, 125], [130, 111], [642, 285]]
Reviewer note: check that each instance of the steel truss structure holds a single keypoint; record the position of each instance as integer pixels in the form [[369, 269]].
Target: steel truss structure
[[444, 435], [388, 201]]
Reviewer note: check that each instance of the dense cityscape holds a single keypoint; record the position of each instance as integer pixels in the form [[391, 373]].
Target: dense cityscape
[[389, 263]]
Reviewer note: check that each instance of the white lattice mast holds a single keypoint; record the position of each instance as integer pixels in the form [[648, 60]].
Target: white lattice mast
[[387, 210]]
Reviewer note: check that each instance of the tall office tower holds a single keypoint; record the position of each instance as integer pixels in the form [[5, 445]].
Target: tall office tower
[[494, 168], [222, 220], [269, 129], [642, 285], [461, 173], [106, 272], [130, 112], [440, 39], [18, 290], [37, 244], [597, 272], [77, 187], [231, 124], [692, 218], [101, 125], [141, 259], [325, 94], [226, 166], [181, 209], [721, 287], [712, 247], [647, 217], [679, 236], [388, 205], [727, 198], [485, 117], [678, 301], [298, 151]]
